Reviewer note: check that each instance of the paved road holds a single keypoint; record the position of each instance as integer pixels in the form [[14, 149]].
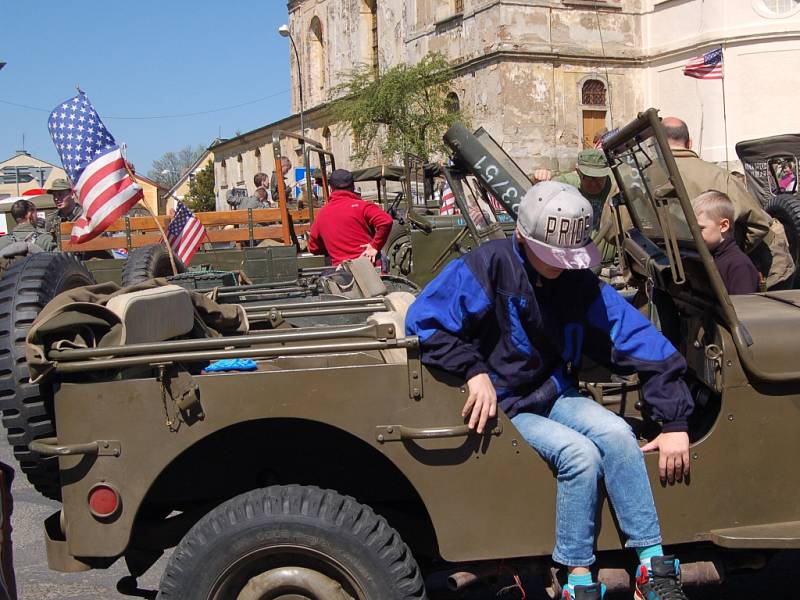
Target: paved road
[[36, 582]]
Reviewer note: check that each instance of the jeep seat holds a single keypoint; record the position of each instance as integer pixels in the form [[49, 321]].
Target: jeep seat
[[153, 315], [399, 303]]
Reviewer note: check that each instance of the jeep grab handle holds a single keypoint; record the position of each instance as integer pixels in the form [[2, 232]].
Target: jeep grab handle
[[397, 433], [50, 447]]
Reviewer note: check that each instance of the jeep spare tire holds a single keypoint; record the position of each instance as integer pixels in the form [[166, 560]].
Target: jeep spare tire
[[147, 262], [27, 408], [786, 209]]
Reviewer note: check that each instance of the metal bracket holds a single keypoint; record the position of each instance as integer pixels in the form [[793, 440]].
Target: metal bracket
[[250, 225], [414, 372], [128, 241]]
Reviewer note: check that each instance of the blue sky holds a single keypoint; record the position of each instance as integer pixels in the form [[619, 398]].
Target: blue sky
[[144, 58]]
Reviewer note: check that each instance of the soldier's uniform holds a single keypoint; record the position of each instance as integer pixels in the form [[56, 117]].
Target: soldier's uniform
[[27, 232], [592, 163], [759, 235], [54, 220]]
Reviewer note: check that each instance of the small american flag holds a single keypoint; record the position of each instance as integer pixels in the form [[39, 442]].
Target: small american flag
[[185, 232], [707, 66], [95, 166], [496, 206], [448, 202]]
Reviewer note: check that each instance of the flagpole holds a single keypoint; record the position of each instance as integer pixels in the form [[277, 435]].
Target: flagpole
[[724, 109]]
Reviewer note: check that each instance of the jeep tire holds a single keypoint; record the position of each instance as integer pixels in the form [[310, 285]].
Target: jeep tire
[[293, 540], [27, 408], [147, 262], [786, 209]]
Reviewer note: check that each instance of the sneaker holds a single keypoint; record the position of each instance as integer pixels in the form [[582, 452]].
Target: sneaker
[[596, 591], [661, 582]]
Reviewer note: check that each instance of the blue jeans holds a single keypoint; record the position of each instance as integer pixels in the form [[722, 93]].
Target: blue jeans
[[584, 442]]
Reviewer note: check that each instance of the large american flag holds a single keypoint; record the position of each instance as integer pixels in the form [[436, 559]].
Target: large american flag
[[707, 66], [185, 232], [95, 166]]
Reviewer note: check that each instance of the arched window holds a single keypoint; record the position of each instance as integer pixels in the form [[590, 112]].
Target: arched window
[[369, 29], [326, 138], [593, 109], [239, 170], [316, 59], [593, 93], [223, 174], [258, 160], [452, 102]]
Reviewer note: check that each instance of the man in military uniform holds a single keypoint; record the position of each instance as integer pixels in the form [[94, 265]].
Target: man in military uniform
[[68, 210], [593, 178], [286, 166], [760, 236], [28, 229]]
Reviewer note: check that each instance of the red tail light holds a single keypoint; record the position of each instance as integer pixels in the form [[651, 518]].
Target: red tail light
[[104, 501]]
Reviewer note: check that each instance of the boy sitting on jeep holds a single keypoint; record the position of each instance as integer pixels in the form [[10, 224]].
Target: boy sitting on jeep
[[513, 318], [715, 217]]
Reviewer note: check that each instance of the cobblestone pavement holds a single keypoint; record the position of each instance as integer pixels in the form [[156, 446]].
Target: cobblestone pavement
[[36, 582]]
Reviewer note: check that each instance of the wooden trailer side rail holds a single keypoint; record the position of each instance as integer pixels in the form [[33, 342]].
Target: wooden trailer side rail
[[249, 225]]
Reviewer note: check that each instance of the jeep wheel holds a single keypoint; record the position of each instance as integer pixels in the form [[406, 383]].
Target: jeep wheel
[[293, 542], [147, 262], [786, 209], [27, 408]]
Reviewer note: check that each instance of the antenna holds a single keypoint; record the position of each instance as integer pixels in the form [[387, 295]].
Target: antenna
[[23, 142]]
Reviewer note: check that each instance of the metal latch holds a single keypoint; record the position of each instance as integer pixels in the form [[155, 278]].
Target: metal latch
[[182, 389]]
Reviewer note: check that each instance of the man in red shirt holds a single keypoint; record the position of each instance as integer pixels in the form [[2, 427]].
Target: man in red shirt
[[348, 227]]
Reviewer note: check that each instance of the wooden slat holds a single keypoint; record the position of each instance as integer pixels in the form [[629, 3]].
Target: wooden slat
[[241, 234], [142, 227]]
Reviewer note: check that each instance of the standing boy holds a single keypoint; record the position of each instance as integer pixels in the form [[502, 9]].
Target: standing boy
[[513, 318]]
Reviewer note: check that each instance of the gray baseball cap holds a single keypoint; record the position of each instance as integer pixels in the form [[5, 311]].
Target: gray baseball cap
[[555, 221]]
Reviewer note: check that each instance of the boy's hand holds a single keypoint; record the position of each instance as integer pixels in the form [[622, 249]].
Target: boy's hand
[[673, 458], [481, 403]]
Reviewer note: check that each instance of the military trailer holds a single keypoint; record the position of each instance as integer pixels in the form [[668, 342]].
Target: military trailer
[[340, 467]]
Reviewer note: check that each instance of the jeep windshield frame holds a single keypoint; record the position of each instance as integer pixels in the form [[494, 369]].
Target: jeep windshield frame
[[660, 209]]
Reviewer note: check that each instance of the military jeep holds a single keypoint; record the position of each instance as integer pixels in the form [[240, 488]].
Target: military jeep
[[340, 467]]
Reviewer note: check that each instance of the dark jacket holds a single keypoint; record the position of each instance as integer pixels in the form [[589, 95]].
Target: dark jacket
[[738, 272], [490, 312]]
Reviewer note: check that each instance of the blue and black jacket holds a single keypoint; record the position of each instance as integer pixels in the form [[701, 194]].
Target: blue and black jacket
[[490, 312]]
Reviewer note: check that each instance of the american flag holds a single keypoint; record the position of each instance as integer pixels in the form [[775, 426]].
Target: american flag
[[185, 232], [95, 166], [448, 202], [707, 66]]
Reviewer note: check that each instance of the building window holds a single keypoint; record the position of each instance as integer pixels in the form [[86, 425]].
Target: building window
[[458, 6], [773, 9], [239, 170], [316, 59], [326, 138], [593, 93], [452, 102], [258, 160], [368, 15], [223, 172], [593, 110]]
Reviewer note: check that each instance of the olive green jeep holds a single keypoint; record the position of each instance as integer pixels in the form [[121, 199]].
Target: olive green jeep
[[340, 466]]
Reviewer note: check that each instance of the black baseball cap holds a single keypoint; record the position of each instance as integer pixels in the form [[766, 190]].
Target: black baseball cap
[[341, 179]]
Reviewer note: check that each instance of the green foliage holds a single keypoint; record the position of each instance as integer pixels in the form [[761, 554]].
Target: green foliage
[[404, 109], [201, 196]]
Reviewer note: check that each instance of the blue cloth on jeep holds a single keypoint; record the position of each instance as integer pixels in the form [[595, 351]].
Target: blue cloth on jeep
[[231, 364], [490, 312]]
